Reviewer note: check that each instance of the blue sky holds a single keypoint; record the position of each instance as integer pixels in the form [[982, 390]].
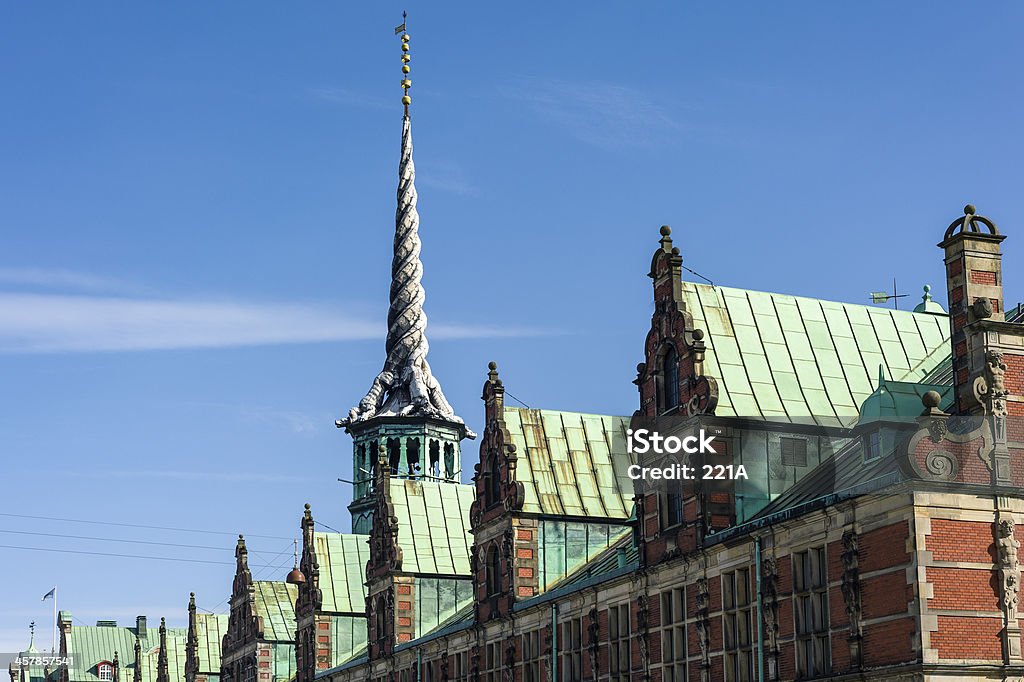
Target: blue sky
[[197, 204]]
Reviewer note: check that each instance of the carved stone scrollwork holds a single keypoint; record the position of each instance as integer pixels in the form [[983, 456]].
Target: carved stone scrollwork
[[851, 589], [1008, 567], [1007, 547], [704, 628], [509, 673], [941, 465], [770, 606], [593, 638], [642, 618], [937, 429], [990, 388]]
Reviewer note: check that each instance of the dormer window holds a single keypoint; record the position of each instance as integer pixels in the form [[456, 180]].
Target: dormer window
[[105, 671], [670, 379]]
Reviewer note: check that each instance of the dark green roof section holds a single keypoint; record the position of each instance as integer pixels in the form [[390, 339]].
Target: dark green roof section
[[901, 400], [342, 560], [433, 526], [275, 605], [779, 356], [572, 464], [847, 471]]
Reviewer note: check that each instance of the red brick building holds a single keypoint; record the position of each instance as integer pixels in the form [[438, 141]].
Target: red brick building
[[875, 539]]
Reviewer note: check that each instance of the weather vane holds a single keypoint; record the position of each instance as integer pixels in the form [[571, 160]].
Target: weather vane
[[885, 296], [406, 83]]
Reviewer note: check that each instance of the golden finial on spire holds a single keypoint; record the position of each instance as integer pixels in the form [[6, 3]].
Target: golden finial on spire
[[406, 83]]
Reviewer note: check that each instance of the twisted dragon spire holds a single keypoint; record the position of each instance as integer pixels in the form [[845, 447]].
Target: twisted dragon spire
[[405, 386]]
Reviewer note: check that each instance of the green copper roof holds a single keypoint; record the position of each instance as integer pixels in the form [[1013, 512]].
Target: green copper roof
[[565, 463], [901, 400], [210, 629], [433, 526], [275, 604], [342, 559], [781, 356], [89, 645]]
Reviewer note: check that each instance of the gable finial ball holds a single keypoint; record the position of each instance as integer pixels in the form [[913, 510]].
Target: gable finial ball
[[969, 209], [675, 250], [665, 230], [492, 365], [931, 399]]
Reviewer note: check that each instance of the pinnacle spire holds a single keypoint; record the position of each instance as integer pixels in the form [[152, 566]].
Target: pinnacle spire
[[405, 386]]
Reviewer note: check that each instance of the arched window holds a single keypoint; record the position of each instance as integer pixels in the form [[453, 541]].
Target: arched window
[[394, 446], [670, 372], [105, 672], [435, 459], [493, 572]]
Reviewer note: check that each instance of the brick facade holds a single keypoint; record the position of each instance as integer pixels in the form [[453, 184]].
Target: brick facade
[[917, 582]]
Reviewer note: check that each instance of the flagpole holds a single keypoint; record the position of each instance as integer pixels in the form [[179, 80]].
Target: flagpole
[[53, 649]]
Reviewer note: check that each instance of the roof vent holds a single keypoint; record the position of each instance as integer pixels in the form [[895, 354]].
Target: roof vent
[[106, 623]]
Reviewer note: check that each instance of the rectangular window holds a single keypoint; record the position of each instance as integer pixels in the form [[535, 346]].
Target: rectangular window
[[738, 625], [571, 645], [671, 510], [872, 446], [673, 635], [794, 452], [531, 656], [810, 613], [460, 667], [492, 663], [618, 643]]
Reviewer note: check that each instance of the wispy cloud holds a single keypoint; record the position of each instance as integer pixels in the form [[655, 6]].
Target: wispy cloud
[[351, 98], [54, 323], [56, 278], [602, 114]]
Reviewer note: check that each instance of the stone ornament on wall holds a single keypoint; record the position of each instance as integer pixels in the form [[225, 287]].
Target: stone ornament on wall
[[1007, 546], [642, 621], [704, 628], [770, 606], [990, 387], [931, 454], [1008, 570], [851, 589], [593, 637]]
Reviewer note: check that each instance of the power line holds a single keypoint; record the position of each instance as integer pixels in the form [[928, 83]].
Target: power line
[[124, 556], [321, 523], [137, 525], [138, 542]]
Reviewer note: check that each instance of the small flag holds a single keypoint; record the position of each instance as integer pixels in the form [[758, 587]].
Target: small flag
[[399, 29], [51, 593]]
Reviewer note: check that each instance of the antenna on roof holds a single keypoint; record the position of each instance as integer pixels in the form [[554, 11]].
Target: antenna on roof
[[884, 296]]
